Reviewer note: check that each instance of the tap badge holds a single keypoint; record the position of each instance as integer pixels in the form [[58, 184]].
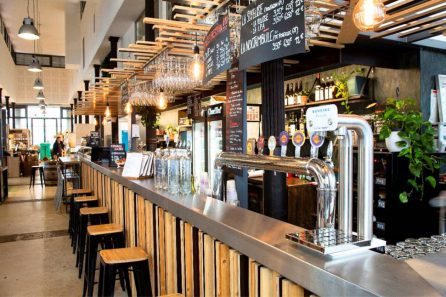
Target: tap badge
[[260, 143], [316, 140], [283, 138], [298, 138]]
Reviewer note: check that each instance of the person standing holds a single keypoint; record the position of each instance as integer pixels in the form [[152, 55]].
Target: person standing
[[57, 148]]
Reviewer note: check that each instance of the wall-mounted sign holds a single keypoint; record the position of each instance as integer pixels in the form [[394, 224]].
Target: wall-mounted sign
[[271, 29], [95, 138], [217, 49], [215, 110], [235, 109], [193, 105], [253, 113]]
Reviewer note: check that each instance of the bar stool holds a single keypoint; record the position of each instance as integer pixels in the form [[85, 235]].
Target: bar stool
[[113, 260], [73, 193], [109, 236], [75, 205], [94, 215], [33, 175]]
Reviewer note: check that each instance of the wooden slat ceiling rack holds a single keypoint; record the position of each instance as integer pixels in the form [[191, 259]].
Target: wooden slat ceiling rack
[[411, 20]]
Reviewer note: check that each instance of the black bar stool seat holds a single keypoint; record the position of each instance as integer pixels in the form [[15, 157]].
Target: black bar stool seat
[[114, 260], [108, 236]]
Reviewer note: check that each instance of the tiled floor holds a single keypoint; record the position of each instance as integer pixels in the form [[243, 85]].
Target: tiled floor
[[35, 252]]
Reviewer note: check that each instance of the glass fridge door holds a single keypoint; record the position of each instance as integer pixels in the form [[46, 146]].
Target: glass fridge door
[[198, 148], [215, 146]]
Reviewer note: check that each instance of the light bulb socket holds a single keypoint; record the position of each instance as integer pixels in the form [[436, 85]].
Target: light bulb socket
[[196, 50], [40, 95], [28, 31], [35, 66]]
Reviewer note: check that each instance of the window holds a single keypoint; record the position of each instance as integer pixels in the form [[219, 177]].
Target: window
[[20, 117], [140, 28], [65, 119]]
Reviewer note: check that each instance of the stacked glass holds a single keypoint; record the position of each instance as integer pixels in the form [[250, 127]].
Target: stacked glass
[[416, 248]]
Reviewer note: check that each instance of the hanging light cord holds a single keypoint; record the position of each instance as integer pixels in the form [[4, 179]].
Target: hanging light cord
[[27, 8]]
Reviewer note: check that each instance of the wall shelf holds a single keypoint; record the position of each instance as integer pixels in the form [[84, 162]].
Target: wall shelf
[[353, 99]]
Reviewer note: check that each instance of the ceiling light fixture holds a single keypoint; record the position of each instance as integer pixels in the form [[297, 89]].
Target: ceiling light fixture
[[35, 66], [104, 122], [42, 102], [38, 84], [28, 31], [107, 111], [368, 14], [162, 102], [196, 66], [40, 95], [95, 121], [128, 108]]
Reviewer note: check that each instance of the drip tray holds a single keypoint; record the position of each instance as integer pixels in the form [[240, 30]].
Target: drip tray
[[330, 241]]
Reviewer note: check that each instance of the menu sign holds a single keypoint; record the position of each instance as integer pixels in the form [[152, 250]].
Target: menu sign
[[117, 154], [271, 29], [193, 105], [94, 138], [235, 110], [217, 49]]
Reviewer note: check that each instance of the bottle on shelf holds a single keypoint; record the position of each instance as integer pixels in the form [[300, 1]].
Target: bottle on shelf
[[317, 88], [327, 94], [331, 89], [287, 94], [302, 121], [322, 90]]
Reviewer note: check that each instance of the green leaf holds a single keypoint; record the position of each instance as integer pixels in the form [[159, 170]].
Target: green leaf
[[415, 169], [431, 180], [403, 197], [414, 184]]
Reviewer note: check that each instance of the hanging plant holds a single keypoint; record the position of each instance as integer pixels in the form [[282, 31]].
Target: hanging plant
[[149, 116], [341, 87]]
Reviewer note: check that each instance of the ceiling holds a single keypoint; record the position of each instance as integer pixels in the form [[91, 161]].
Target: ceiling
[[52, 25]]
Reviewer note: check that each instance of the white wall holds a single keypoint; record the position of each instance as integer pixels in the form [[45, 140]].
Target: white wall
[[73, 48], [169, 117], [56, 81], [7, 72]]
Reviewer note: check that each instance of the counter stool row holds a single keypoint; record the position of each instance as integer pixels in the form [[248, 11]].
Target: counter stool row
[[90, 230]]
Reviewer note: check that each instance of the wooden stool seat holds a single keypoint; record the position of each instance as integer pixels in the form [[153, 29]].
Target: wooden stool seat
[[82, 199], [96, 230], [86, 211], [173, 295], [124, 255], [79, 192]]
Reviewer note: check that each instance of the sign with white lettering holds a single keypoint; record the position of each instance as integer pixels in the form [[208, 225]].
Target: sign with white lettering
[[217, 49], [271, 29], [322, 118]]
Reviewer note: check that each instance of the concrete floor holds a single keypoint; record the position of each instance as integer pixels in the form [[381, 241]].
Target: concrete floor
[[35, 252]]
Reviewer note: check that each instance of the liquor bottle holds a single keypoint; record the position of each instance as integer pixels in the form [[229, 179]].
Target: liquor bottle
[[164, 172], [297, 93], [317, 88], [302, 121], [322, 90], [327, 94], [291, 95], [287, 93], [186, 173], [158, 169], [173, 171]]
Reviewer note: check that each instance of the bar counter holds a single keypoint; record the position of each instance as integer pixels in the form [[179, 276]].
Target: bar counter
[[262, 239]]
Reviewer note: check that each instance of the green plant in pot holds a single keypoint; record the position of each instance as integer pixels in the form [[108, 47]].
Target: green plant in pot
[[401, 117], [149, 116], [341, 80]]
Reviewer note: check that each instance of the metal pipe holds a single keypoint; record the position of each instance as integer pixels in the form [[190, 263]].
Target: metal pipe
[[365, 171], [345, 201], [324, 175]]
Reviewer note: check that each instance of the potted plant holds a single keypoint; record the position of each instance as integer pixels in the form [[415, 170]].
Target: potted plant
[[346, 82], [400, 117], [149, 116]]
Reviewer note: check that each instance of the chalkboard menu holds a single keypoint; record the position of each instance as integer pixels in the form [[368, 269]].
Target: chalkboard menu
[[217, 49], [117, 154], [94, 138], [193, 104], [197, 107], [235, 111], [271, 29]]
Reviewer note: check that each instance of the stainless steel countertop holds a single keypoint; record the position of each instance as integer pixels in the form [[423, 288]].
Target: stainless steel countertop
[[363, 273]]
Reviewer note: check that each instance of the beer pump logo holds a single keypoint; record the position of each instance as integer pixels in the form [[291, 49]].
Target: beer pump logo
[[316, 140], [298, 138], [261, 143], [283, 138]]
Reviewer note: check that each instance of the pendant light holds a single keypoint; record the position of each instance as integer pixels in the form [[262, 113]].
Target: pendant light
[[28, 31], [162, 102], [107, 111], [196, 67], [104, 122], [96, 121], [128, 108], [38, 84], [35, 65], [40, 95], [368, 14], [42, 102]]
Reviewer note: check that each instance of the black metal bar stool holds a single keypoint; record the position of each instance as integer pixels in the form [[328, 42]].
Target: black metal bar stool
[[109, 236], [71, 194], [33, 175], [75, 205], [94, 215], [114, 260]]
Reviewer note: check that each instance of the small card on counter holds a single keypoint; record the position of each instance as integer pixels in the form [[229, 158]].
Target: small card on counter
[[132, 167]]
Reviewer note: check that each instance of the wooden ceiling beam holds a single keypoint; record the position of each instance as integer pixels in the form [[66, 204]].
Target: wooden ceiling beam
[[422, 28], [171, 23], [414, 9]]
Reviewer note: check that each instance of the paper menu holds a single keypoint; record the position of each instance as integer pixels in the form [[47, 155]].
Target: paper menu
[[441, 97], [132, 167]]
